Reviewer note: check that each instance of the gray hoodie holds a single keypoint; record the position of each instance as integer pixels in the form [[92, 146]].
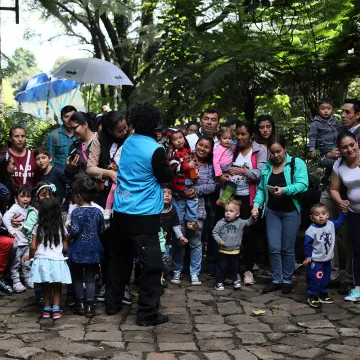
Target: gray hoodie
[[231, 232], [323, 133]]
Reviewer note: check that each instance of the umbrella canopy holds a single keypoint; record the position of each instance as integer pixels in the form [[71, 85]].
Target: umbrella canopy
[[43, 96], [92, 70], [42, 87]]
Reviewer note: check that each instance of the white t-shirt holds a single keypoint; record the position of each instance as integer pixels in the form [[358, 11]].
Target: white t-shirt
[[53, 252], [351, 179], [243, 188], [115, 152], [193, 139]]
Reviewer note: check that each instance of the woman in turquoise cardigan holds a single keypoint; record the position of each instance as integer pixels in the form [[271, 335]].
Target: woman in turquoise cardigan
[[277, 191]]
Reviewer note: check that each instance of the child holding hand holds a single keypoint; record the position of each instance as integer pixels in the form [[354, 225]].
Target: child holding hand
[[319, 245]]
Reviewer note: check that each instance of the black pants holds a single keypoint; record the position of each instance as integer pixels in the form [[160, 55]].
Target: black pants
[[147, 247], [227, 267], [248, 245], [84, 273]]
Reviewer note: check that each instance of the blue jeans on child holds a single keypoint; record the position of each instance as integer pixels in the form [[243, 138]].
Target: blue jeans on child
[[318, 278], [195, 246], [282, 228], [187, 209]]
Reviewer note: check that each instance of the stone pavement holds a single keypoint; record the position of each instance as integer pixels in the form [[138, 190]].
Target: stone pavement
[[205, 324]]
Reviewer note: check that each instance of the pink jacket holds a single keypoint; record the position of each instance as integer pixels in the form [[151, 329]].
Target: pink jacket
[[222, 156]]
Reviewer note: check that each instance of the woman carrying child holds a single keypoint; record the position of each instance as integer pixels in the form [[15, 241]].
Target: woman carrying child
[[248, 160], [204, 186]]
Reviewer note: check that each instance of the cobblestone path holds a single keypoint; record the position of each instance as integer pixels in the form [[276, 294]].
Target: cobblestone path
[[205, 324]]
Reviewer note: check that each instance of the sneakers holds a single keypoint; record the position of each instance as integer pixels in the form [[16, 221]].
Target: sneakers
[[176, 278], [326, 299], [354, 295], [219, 287], [107, 214], [237, 284], [249, 278], [314, 302], [56, 314], [195, 280], [101, 295], [4, 290], [46, 314], [19, 288], [127, 299]]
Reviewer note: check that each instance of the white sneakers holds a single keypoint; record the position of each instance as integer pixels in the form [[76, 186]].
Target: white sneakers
[[195, 280], [107, 214], [176, 278], [219, 287], [248, 278], [19, 287]]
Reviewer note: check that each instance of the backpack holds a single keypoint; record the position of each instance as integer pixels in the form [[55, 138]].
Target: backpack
[[312, 195]]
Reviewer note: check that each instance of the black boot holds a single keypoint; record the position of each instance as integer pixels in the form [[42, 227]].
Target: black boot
[[79, 306], [90, 309]]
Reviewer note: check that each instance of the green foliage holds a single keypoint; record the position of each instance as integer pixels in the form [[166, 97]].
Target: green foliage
[[21, 66], [37, 131], [244, 57]]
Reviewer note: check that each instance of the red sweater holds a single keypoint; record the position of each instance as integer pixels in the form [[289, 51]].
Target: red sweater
[[179, 163]]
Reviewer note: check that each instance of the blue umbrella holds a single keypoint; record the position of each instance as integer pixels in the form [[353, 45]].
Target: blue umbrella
[[43, 87], [43, 94]]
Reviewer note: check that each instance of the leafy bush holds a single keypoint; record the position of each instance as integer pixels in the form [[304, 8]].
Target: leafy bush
[[36, 130]]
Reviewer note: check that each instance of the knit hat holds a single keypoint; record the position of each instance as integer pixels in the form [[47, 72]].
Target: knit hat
[[170, 132]]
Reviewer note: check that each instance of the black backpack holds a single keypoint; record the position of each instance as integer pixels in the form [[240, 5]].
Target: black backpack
[[312, 195]]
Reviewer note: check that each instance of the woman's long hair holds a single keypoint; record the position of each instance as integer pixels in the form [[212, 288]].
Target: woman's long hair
[[50, 231], [5, 177], [258, 138]]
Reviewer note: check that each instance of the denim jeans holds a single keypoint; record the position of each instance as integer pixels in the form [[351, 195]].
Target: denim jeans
[[186, 209], [354, 229], [343, 242], [282, 228], [195, 246]]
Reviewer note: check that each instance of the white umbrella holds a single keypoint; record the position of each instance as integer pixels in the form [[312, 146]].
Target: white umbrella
[[92, 70]]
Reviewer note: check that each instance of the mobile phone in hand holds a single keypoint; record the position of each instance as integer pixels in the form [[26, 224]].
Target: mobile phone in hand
[[271, 189], [73, 154]]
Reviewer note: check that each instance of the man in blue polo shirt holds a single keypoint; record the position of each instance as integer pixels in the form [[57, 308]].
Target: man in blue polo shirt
[[59, 140]]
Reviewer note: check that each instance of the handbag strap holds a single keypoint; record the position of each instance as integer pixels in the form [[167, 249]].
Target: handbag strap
[[26, 166]]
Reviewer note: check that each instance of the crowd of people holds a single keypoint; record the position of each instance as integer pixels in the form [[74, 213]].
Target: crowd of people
[[112, 193]]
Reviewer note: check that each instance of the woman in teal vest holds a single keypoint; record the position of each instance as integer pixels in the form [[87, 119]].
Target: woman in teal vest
[[138, 202], [278, 191]]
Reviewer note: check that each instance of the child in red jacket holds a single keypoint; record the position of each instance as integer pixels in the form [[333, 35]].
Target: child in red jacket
[[185, 168]]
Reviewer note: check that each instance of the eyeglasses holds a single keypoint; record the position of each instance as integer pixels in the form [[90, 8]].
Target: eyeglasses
[[73, 128]]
